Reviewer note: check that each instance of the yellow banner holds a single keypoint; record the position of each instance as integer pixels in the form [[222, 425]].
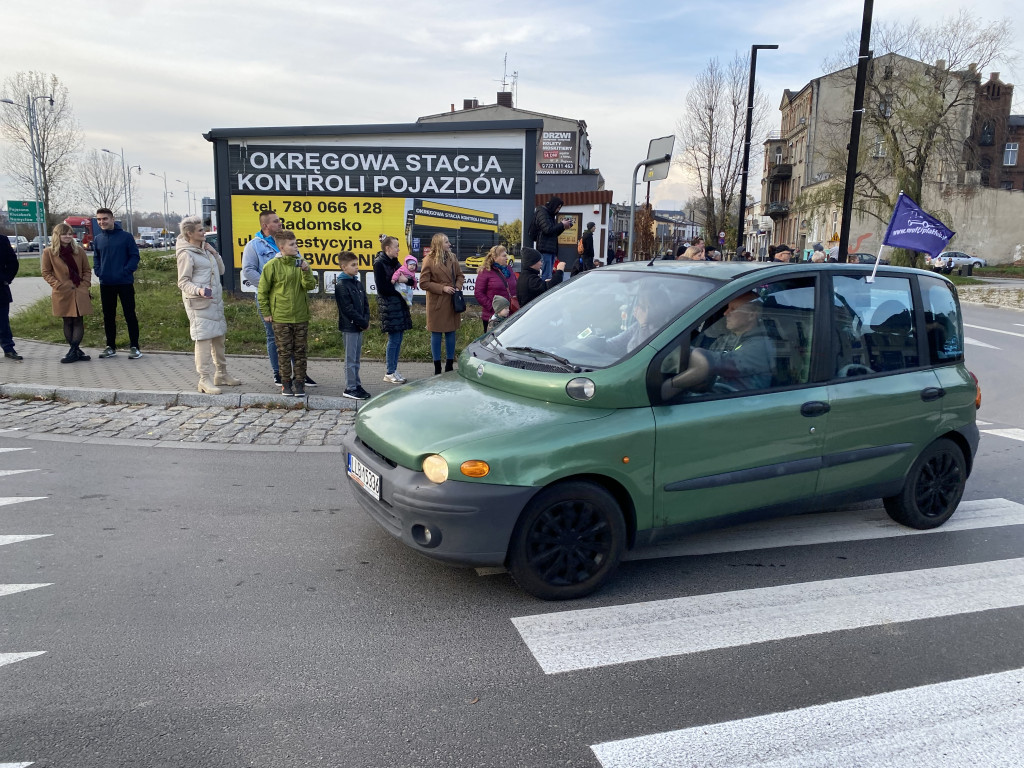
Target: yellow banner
[[324, 226]]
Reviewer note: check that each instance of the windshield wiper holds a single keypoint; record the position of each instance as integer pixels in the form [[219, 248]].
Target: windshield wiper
[[545, 353]]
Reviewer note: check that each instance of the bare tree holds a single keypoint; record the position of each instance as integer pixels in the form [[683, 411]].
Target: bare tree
[[100, 180], [57, 133], [918, 106], [711, 137]]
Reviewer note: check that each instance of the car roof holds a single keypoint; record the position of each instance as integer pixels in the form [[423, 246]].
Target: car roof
[[727, 271]]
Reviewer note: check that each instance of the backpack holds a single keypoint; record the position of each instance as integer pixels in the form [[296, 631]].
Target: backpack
[[579, 246]]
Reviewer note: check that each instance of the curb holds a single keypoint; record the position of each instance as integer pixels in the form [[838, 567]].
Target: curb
[[193, 399]]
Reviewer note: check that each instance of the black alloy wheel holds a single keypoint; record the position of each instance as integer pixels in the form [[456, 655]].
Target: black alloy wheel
[[933, 487], [567, 542]]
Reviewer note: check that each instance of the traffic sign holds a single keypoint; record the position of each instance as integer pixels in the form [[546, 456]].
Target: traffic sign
[[23, 211]]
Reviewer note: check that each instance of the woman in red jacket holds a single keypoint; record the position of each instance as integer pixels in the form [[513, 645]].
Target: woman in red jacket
[[495, 278]]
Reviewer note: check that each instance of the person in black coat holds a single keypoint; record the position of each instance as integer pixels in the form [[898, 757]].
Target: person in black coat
[[530, 284], [395, 318], [547, 231], [353, 319], [8, 269]]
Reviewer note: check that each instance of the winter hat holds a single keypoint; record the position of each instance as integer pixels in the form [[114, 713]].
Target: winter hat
[[819, 247], [530, 256], [498, 303], [411, 258], [554, 203]]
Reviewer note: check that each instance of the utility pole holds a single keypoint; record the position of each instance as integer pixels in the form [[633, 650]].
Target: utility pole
[[164, 177], [746, 141], [188, 195]]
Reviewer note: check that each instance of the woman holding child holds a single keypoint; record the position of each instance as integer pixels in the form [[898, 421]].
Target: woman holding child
[[395, 318], [199, 271], [495, 278], [440, 278]]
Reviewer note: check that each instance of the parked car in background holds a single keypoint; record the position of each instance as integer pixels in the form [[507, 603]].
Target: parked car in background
[[38, 243], [959, 259], [864, 258], [19, 243], [147, 241]]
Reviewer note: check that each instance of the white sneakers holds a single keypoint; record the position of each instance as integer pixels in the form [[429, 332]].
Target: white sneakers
[[394, 378]]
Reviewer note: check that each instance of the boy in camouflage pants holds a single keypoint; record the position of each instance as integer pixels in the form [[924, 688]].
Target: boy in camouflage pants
[[284, 283]]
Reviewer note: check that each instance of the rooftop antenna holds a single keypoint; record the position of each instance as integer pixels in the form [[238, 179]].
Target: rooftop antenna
[[505, 82]]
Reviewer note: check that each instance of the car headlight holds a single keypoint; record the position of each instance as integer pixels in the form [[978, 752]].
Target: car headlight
[[580, 388], [435, 468]]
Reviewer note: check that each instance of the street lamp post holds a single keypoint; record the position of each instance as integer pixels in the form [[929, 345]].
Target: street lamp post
[[126, 172], [746, 141], [164, 177], [36, 151], [188, 195]]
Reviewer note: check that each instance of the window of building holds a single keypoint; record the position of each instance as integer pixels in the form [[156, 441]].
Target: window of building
[[987, 134], [885, 106], [1007, 185], [1010, 155], [879, 150]]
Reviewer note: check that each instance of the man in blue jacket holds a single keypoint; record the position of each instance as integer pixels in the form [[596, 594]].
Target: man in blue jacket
[[115, 259], [258, 251]]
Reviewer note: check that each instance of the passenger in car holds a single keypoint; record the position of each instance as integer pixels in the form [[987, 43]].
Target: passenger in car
[[739, 359]]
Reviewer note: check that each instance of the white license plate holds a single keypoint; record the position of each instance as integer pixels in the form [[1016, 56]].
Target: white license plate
[[368, 480]]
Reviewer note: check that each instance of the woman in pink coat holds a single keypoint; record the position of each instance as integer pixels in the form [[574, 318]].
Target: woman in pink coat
[[495, 278]]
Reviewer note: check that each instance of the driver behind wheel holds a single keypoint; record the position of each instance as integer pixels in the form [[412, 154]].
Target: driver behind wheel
[[739, 359]]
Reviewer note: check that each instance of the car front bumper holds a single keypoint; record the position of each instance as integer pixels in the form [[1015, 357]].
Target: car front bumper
[[457, 522]]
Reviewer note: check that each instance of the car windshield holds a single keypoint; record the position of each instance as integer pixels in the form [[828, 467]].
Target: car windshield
[[597, 319]]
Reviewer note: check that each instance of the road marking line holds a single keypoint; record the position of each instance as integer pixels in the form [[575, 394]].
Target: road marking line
[[11, 658], [16, 538], [820, 528], [981, 423], [12, 450], [598, 637], [994, 330], [7, 472], [976, 343], [957, 724], [1013, 434], [10, 589], [15, 765], [18, 499]]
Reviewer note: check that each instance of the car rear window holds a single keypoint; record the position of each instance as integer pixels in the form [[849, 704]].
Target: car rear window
[[943, 323]]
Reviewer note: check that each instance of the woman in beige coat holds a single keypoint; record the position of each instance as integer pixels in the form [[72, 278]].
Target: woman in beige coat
[[65, 267], [199, 271], [440, 277]]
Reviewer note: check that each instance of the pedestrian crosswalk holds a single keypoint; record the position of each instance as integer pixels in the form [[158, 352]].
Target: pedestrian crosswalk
[[6, 590], [970, 722]]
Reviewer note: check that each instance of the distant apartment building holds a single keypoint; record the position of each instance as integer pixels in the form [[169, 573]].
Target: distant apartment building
[[992, 155]]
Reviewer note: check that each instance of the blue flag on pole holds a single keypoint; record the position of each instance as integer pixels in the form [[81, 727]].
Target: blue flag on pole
[[912, 228]]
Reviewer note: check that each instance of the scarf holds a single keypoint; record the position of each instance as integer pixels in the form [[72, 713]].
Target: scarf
[[67, 255], [505, 271]]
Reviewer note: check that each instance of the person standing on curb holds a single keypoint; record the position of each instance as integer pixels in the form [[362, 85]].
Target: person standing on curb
[[586, 260], [199, 271], [115, 259], [283, 295], [258, 251], [8, 269], [395, 317], [353, 319], [65, 267], [441, 278], [546, 231]]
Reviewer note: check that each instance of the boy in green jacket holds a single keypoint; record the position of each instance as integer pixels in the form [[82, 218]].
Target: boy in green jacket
[[284, 283]]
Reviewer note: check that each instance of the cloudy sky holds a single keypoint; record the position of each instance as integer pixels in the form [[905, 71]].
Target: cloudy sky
[[151, 77]]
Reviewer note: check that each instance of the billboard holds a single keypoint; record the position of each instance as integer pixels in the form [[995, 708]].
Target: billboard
[[558, 152], [341, 193]]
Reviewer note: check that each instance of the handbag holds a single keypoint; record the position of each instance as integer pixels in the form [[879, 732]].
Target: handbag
[[513, 302], [458, 300]]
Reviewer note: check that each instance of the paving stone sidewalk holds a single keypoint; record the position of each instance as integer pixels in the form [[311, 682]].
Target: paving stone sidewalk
[[179, 426]]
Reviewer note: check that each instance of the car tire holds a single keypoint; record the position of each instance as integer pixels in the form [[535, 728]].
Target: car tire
[[932, 489], [567, 542]]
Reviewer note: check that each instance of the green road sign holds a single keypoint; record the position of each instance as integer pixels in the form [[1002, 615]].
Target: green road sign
[[22, 211]]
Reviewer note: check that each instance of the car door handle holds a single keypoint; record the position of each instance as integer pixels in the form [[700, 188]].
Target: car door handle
[[932, 393], [815, 408]]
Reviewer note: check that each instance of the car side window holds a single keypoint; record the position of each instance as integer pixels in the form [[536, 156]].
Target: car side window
[[874, 327], [943, 323], [757, 341]]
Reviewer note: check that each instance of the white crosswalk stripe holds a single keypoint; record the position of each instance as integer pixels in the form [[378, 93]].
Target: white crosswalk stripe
[[7, 472], [10, 589], [11, 658], [595, 637], [1013, 434], [15, 538], [959, 724], [976, 343], [12, 450], [4, 500], [15, 765]]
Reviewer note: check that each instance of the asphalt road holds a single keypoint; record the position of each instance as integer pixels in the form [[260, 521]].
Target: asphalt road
[[236, 609]]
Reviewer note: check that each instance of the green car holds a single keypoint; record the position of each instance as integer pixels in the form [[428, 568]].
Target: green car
[[641, 401]]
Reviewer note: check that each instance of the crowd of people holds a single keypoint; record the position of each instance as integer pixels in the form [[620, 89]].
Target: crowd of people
[[272, 264]]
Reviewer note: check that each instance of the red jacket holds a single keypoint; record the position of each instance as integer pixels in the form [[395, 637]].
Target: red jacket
[[490, 284]]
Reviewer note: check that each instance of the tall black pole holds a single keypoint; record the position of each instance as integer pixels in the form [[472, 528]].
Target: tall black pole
[[863, 60], [746, 141]]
